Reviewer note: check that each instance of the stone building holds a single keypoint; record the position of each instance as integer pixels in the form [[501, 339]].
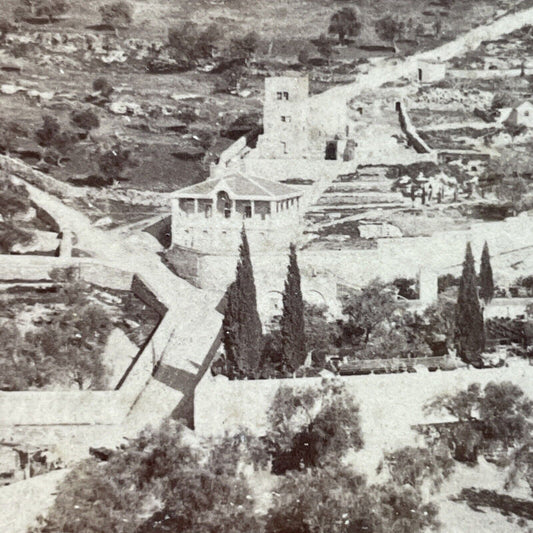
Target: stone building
[[208, 216], [295, 127], [521, 115], [430, 71]]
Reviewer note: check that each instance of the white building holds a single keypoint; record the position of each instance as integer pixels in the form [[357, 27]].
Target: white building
[[208, 216], [430, 71], [521, 115]]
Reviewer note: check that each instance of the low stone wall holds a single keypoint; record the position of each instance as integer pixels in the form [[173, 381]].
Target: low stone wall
[[507, 307], [305, 170], [44, 408], [39, 268], [232, 152], [486, 74], [410, 131], [389, 403], [13, 167]]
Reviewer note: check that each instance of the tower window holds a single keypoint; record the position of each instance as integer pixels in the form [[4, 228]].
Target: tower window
[[285, 118], [279, 95], [285, 96]]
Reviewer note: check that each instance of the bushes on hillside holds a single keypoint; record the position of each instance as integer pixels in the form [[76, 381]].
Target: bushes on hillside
[[117, 14], [85, 119]]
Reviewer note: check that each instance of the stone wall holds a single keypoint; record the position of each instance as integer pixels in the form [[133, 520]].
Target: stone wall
[[506, 307], [389, 403], [485, 74], [410, 131], [39, 413]]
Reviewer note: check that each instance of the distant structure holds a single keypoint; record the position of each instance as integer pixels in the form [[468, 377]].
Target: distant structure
[[430, 71], [521, 115], [208, 216], [297, 128]]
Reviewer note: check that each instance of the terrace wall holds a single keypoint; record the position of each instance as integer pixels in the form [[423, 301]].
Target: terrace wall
[[410, 131]]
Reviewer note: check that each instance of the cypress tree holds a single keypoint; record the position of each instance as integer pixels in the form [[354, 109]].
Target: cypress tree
[[469, 327], [292, 320], [242, 331], [486, 281]]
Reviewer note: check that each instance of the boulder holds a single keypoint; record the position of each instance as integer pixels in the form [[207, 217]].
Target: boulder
[[7, 88]]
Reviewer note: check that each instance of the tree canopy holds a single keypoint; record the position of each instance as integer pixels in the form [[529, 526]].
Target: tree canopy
[[242, 330], [500, 414], [117, 14], [370, 306], [469, 325], [292, 323], [345, 22], [486, 281], [390, 28], [191, 42]]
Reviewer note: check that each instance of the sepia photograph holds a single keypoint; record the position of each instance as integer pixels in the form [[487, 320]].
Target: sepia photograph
[[266, 266]]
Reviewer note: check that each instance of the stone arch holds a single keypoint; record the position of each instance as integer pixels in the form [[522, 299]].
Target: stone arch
[[315, 297], [274, 301], [223, 204]]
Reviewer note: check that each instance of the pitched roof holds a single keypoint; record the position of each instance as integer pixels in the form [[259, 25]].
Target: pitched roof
[[239, 187], [526, 103]]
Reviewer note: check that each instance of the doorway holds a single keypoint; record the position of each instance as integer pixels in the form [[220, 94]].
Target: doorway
[[331, 150]]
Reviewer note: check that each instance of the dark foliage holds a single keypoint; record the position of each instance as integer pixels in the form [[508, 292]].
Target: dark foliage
[[447, 281], [113, 162], [292, 320], [191, 43], [486, 281], [117, 14], [85, 119], [469, 326], [50, 135], [242, 330], [312, 427], [498, 415], [103, 86], [345, 22], [246, 46]]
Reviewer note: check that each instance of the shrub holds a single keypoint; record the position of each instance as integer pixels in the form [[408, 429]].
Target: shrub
[[103, 86], [85, 119], [498, 415], [412, 466], [117, 14], [113, 162]]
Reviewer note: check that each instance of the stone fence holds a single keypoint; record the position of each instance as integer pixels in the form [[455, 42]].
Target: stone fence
[[75, 408], [410, 131], [20, 169], [390, 404], [486, 74]]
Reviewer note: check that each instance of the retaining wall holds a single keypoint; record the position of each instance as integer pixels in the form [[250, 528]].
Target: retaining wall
[[410, 131]]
